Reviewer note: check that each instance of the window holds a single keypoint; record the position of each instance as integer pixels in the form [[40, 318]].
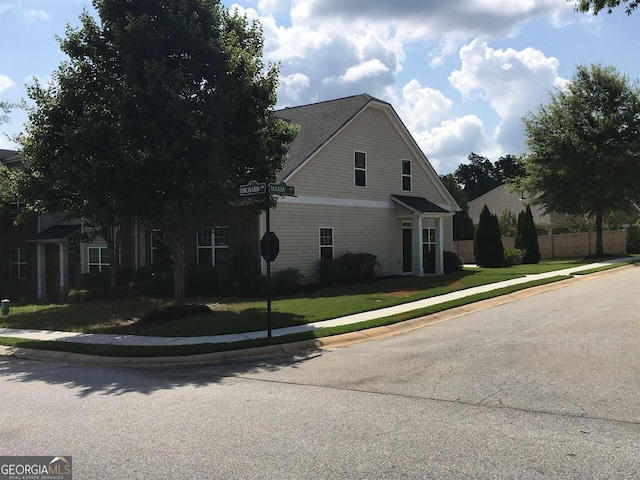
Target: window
[[18, 262], [98, 259], [406, 175], [429, 250], [326, 243], [360, 166], [213, 246], [15, 208]]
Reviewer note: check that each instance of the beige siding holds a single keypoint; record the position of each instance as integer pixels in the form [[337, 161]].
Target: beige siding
[[331, 172], [370, 230], [355, 229]]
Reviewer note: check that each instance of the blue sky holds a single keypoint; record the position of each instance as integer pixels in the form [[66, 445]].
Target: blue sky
[[460, 73]]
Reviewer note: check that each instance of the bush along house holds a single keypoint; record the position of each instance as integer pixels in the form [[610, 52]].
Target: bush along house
[[362, 184]]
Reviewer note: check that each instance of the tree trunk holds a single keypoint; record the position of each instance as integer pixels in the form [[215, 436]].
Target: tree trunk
[[599, 248], [179, 274], [111, 235]]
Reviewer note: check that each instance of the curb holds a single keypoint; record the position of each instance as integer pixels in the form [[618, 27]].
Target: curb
[[323, 343]]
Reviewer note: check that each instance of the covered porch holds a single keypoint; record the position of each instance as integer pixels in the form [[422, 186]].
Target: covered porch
[[55, 260], [422, 224]]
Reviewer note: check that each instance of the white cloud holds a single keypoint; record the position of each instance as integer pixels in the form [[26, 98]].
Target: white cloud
[[370, 68], [35, 15], [5, 82], [512, 82], [291, 86]]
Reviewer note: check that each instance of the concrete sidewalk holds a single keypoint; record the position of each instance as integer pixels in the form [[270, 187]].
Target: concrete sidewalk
[[134, 340]]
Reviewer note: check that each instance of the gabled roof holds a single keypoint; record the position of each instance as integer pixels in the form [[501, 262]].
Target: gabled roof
[[418, 204], [56, 233], [7, 156], [500, 199], [319, 122]]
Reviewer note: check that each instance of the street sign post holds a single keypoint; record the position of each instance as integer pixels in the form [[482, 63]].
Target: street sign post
[[269, 244]]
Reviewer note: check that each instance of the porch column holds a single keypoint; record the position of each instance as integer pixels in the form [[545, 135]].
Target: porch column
[[64, 267], [416, 240], [440, 247], [41, 270]]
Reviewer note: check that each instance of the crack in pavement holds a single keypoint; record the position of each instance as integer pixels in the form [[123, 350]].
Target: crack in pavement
[[457, 401]]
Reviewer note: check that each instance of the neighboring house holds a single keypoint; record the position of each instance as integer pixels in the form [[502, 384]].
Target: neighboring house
[[500, 199], [17, 266], [362, 184]]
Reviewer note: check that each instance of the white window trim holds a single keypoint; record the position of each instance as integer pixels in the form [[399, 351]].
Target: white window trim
[[333, 242], [21, 263], [100, 263], [355, 169], [213, 247], [403, 175]]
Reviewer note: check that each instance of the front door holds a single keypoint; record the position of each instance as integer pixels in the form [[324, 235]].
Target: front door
[[407, 247]]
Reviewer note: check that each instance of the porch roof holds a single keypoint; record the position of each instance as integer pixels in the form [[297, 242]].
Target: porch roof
[[419, 205], [56, 233]]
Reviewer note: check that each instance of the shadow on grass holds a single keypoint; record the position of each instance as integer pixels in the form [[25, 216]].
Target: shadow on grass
[[216, 323], [85, 381], [90, 317]]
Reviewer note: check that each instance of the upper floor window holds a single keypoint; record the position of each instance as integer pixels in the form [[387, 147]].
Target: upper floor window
[[326, 243], [99, 260], [15, 208], [18, 263], [360, 169], [406, 175], [213, 246]]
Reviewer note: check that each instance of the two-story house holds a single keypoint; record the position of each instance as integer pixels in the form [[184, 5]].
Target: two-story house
[[362, 185]]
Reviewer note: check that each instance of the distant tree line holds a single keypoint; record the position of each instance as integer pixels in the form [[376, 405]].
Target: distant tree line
[[476, 178]]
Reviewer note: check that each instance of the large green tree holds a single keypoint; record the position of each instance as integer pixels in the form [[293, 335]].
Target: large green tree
[[462, 224], [596, 6], [584, 146], [163, 108]]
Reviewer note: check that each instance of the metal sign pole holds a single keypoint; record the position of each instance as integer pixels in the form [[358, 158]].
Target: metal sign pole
[[268, 206]]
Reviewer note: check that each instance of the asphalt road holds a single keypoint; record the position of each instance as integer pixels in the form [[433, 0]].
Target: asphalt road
[[545, 387]]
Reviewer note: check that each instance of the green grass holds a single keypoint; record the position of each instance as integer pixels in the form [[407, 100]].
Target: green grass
[[183, 350], [118, 316], [605, 268]]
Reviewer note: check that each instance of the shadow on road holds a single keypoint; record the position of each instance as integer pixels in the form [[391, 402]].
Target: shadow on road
[[92, 380]]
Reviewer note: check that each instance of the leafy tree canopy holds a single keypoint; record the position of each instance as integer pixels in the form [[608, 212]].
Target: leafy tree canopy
[[585, 146], [598, 5], [480, 175], [163, 108]]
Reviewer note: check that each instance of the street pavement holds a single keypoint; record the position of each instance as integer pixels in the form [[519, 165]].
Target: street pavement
[[541, 388]]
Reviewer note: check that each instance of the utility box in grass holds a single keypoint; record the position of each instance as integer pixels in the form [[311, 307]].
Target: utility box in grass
[[4, 307]]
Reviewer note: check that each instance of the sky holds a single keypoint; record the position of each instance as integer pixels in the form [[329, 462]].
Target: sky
[[461, 74]]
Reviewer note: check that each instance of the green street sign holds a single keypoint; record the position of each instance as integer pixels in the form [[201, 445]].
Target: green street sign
[[253, 188], [281, 188]]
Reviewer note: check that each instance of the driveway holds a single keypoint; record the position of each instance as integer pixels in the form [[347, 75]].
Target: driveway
[[545, 387]]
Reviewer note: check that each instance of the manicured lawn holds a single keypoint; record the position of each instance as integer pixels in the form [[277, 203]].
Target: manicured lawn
[[118, 316], [181, 350]]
